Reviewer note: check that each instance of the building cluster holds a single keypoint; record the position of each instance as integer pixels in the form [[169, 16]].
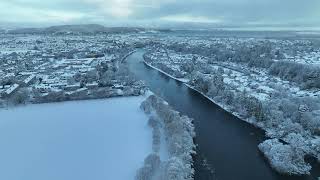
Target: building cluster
[[42, 64]]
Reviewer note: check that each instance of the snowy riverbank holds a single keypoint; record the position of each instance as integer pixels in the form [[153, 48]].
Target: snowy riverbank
[[178, 132], [183, 80], [294, 143]]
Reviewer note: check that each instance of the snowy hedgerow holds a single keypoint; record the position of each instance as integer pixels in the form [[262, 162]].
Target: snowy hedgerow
[[174, 169], [179, 134], [151, 164], [147, 106], [284, 158], [154, 123], [53, 96]]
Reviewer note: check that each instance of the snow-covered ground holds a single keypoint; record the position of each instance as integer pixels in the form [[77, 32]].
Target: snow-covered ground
[[255, 92], [184, 80], [96, 139]]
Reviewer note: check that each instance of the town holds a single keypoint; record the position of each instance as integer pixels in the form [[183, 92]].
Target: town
[[37, 69], [160, 90], [271, 83]]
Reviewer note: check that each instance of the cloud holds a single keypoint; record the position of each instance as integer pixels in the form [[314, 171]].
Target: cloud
[[16, 13], [113, 8], [190, 18], [240, 12]]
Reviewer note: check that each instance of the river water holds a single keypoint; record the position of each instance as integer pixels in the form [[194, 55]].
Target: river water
[[226, 146]]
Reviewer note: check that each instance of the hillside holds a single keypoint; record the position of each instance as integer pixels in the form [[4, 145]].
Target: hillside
[[76, 29]]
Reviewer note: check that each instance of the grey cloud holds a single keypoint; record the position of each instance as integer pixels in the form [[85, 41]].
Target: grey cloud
[[229, 11]]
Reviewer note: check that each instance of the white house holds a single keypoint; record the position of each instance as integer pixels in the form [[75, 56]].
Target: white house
[[11, 90]]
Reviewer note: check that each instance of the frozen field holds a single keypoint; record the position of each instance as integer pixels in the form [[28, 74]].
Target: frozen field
[[100, 139]]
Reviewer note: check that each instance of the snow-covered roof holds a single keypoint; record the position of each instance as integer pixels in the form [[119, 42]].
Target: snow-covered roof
[[28, 79], [12, 89]]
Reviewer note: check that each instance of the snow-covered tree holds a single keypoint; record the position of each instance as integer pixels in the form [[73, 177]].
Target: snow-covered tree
[[179, 134], [284, 158], [20, 97], [174, 169], [151, 165]]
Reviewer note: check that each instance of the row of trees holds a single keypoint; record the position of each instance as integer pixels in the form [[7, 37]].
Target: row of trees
[[106, 74], [61, 95], [179, 134], [155, 123], [179, 130], [255, 54]]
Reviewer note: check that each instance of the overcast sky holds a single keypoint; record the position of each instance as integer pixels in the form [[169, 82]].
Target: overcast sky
[[146, 12]]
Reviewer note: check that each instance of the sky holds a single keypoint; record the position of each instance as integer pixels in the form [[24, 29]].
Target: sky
[[155, 12]]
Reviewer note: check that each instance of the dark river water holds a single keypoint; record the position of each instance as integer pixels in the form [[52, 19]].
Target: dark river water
[[226, 146]]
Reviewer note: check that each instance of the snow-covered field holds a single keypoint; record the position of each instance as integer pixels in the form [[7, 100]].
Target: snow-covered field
[[81, 140]]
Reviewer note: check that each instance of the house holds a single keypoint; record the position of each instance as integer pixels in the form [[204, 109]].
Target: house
[[29, 80], [11, 90], [72, 87], [92, 85], [43, 88]]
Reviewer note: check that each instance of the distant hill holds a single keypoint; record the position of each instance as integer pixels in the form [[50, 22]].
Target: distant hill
[[25, 31], [76, 29], [87, 28]]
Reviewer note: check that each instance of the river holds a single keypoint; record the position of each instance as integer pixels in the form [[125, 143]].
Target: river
[[226, 146]]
